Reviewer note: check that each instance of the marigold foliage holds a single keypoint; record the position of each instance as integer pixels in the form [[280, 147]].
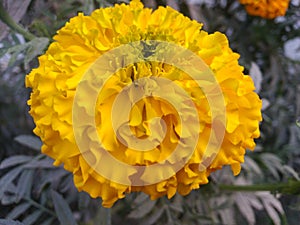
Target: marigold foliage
[[268, 9], [82, 40]]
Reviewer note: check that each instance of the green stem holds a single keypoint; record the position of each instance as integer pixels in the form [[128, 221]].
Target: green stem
[[5, 17]]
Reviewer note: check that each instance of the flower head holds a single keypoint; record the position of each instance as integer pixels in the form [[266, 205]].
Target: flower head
[[268, 9], [87, 129]]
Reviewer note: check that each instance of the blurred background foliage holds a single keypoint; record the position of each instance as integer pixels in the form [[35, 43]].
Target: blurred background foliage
[[32, 191]]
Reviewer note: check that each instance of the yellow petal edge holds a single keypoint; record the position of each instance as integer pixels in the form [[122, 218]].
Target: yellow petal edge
[[82, 40]]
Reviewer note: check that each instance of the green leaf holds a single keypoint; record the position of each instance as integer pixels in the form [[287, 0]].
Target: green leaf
[[30, 141], [18, 210], [143, 209], [14, 160], [290, 171], [245, 208], [52, 177], [177, 203], [7, 179], [47, 221], [66, 184], [14, 52], [84, 200], [32, 218], [227, 216], [28, 50], [273, 163], [272, 205], [140, 199], [45, 163], [35, 47], [24, 184], [10, 222], [154, 217], [62, 209], [252, 167], [9, 196]]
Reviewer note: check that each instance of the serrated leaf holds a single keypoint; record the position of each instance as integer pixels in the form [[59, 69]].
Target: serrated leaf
[[15, 160], [245, 208], [35, 48], [47, 221], [28, 51], [272, 214], [24, 184], [62, 209], [142, 210], [255, 203], [154, 217], [265, 104], [14, 52], [44, 196], [273, 163], [177, 204], [50, 176], [10, 222], [227, 216], [9, 196], [29, 141], [7, 179], [45, 163], [32, 218], [84, 200], [272, 205], [256, 75], [271, 200], [18, 210], [252, 166], [291, 171], [221, 203], [176, 208], [66, 184], [140, 199]]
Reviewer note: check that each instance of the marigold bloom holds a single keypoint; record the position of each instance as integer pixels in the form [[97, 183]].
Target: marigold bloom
[[77, 47], [268, 9]]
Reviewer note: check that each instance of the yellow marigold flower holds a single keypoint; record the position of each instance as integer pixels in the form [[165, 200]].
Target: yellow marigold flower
[[86, 130], [268, 9]]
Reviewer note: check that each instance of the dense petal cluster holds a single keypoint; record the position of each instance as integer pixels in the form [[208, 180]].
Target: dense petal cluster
[[268, 9], [84, 39]]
